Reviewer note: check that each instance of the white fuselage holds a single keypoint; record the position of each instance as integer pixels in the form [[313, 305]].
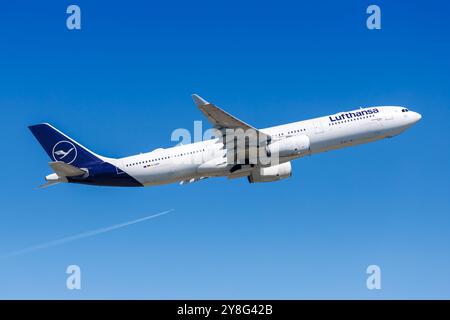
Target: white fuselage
[[186, 163]]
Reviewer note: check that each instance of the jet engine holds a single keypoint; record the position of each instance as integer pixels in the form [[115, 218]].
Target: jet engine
[[272, 173]]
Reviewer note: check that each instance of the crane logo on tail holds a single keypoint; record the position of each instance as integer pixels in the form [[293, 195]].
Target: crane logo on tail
[[64, 151]]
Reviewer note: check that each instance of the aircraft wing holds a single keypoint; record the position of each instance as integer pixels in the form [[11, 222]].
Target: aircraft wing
[[220, 119]]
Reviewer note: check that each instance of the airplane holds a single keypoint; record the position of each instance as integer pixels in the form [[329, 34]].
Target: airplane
[[74, 163]]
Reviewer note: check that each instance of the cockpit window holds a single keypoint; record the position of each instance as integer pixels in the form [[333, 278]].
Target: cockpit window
[[405, 110]]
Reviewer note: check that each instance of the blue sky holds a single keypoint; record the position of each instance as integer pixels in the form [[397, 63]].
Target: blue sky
[[122, 84]]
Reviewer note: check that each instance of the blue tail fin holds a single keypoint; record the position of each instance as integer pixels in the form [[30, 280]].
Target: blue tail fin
[[60, 147]]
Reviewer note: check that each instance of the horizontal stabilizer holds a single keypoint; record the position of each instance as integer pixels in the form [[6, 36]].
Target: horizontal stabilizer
[[48, 184], [63, 169]]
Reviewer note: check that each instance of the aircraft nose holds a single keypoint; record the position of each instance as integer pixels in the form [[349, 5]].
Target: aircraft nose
[[416, 116]]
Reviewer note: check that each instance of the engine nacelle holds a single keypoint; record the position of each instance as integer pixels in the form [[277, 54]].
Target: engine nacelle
[[273, 173], [291, 146]]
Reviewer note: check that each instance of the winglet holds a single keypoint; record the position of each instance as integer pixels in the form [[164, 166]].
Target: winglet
[[199, 101]]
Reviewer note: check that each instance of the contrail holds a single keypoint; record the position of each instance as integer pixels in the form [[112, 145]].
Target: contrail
[[81, 235]]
